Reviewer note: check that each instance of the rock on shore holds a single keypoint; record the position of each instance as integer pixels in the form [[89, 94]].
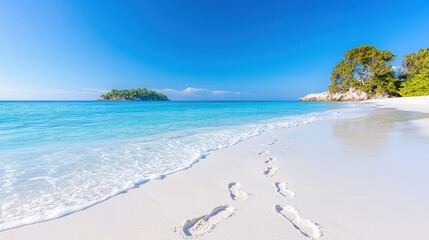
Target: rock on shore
[[351, 95]]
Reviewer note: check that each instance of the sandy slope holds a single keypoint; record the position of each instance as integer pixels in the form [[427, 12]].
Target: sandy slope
[[402, 101], [350, 179]]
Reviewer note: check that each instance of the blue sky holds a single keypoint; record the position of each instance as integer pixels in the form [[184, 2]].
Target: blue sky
[[193, 49]]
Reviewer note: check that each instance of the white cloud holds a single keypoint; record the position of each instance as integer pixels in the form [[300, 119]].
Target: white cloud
[[222, 93], [191, 93], [190, 90], [399, 69]]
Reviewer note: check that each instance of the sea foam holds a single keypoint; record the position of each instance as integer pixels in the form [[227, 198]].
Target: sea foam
[[52, 183]]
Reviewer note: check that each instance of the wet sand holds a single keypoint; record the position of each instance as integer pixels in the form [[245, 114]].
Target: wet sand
[[360, 178]]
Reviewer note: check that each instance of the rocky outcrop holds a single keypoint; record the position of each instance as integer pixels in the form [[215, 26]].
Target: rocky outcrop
[[351, 95], [104, 98]]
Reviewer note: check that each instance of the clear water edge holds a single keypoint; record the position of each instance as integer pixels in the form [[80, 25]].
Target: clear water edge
[[133, 171]]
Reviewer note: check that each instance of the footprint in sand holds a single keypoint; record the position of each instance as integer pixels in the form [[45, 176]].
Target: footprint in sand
[[199, 226], [283, 190], [263, 152], [273, 142], [306, 227], [236, 192], [270, 171], [270, 160]]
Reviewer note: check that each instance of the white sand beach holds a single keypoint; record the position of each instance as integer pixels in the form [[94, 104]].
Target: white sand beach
[[360, 178]]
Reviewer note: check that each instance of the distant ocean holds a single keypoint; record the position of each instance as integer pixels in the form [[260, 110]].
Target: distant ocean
[[60, 157]]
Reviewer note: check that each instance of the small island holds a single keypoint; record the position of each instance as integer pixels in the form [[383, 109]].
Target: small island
[[367, 73], [139, 94]]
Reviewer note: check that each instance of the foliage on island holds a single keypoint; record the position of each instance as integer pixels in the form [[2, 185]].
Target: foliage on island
[[370, 70], [139, 94], [415, 74], [418, 85], [367, 69]]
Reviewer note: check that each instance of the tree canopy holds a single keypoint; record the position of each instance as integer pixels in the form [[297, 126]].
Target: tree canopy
[[414, 63], [417, 85], [367, 69], [139, 94], [415, 73]]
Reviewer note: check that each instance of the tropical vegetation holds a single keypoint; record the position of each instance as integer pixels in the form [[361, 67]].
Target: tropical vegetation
[[367, 69], [417, 85], [139, 94], [414, 63], [370, 70], [415, 74]]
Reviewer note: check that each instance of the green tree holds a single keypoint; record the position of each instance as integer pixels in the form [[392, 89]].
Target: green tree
[[142, 94], [367, 69], [414, 63], [417, 85]]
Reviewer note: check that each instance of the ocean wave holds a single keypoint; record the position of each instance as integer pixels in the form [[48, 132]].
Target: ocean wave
[[61, 182]]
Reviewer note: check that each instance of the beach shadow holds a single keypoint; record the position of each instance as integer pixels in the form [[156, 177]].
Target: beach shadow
[[372, 133]]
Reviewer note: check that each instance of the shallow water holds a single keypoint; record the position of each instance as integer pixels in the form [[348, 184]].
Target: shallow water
[[60, 157]]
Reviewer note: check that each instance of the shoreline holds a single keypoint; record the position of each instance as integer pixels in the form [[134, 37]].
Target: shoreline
[[259, 210], [249, 130]]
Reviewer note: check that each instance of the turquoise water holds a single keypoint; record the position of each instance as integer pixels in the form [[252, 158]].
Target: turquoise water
[[61, 157]]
